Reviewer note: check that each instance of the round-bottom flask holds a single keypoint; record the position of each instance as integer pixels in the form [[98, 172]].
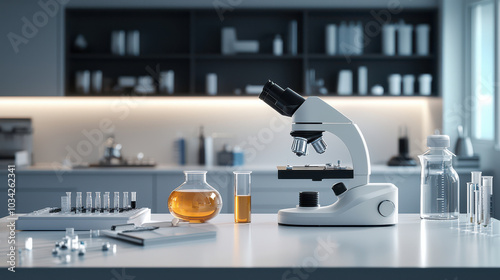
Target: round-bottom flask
[[195, 200]]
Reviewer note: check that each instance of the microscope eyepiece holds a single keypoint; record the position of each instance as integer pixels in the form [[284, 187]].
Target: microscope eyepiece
[[284, 101]]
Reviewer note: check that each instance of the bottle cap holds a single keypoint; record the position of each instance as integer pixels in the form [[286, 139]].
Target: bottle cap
[[438, 141], [476, 177]]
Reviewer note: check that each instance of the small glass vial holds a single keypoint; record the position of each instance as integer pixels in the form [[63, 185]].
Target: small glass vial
[[242, 197], [133, 200], [105, 203], [116, 202], [125, 201], [68, 194], [88, 203], [97, 202], [78, 203], [64, 204]]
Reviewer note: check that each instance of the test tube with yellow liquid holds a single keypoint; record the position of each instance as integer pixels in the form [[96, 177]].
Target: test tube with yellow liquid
[[242, 197]]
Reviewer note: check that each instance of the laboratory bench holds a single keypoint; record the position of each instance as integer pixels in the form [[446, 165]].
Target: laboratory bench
[[42, 186], [412, 246]]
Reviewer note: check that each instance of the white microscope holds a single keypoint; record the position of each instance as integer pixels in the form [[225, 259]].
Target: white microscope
[[360, 203]]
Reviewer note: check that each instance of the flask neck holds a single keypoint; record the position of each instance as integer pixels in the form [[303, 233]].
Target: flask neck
[[196, 176]]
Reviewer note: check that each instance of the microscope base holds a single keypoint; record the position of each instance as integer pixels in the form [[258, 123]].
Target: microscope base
[[366, 205]]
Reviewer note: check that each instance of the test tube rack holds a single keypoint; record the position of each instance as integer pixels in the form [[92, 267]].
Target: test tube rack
[[50, 219]]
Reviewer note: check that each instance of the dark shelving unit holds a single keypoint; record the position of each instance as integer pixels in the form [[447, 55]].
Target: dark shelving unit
[[188, 42]]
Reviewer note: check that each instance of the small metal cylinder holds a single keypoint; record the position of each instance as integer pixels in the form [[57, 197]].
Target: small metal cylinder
[[319, 145], [299, 146]]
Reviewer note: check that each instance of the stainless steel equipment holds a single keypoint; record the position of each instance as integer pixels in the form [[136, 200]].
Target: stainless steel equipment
[[16, 141], [112, 152]]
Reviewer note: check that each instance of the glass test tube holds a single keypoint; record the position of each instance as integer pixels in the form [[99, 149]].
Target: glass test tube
[[97, 202], [64, 204], [125, 201], [242, 197], [477, 205], [88, 203], [116, 202], [68, 194], [133, 200], [469, 202], [105, 203], [487, 192], [78, 202], [475, 198]]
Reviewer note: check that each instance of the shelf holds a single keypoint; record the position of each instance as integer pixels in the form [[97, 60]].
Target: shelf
[[371, 57], [247, 56], [244, 95], [106, 56], [188, 42]]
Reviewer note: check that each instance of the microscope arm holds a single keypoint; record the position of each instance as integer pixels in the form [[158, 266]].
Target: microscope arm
[[316, 115], [355, 143]]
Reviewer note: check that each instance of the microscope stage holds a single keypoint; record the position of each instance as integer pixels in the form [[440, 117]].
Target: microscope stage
[[315, 173]]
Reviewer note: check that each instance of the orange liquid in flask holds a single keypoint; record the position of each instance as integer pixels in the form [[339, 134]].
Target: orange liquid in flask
[[195, 206]]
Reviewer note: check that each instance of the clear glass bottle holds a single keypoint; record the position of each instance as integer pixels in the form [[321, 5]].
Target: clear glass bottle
[[439, 185], [195, 200]]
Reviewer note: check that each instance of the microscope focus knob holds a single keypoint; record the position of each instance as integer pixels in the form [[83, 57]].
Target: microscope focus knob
[[339, 189], [386, 208], [308, 199]]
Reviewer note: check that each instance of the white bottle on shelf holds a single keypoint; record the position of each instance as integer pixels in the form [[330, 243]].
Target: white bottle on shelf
[[424, 84], [96, 81], [405, 39], [292, 37], [133, 43], [394, 84], [363, 80], [211, 84], [408, 84], [357, 38], [330, 39], [344, 86], [389, 39], [422, 31], [118, 42], [278, 45], [342, 38]]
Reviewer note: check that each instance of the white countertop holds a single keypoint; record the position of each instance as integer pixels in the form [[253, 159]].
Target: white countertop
[[413, 243]]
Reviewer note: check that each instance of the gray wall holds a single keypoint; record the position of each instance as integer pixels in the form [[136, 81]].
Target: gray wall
[[35, 68]]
